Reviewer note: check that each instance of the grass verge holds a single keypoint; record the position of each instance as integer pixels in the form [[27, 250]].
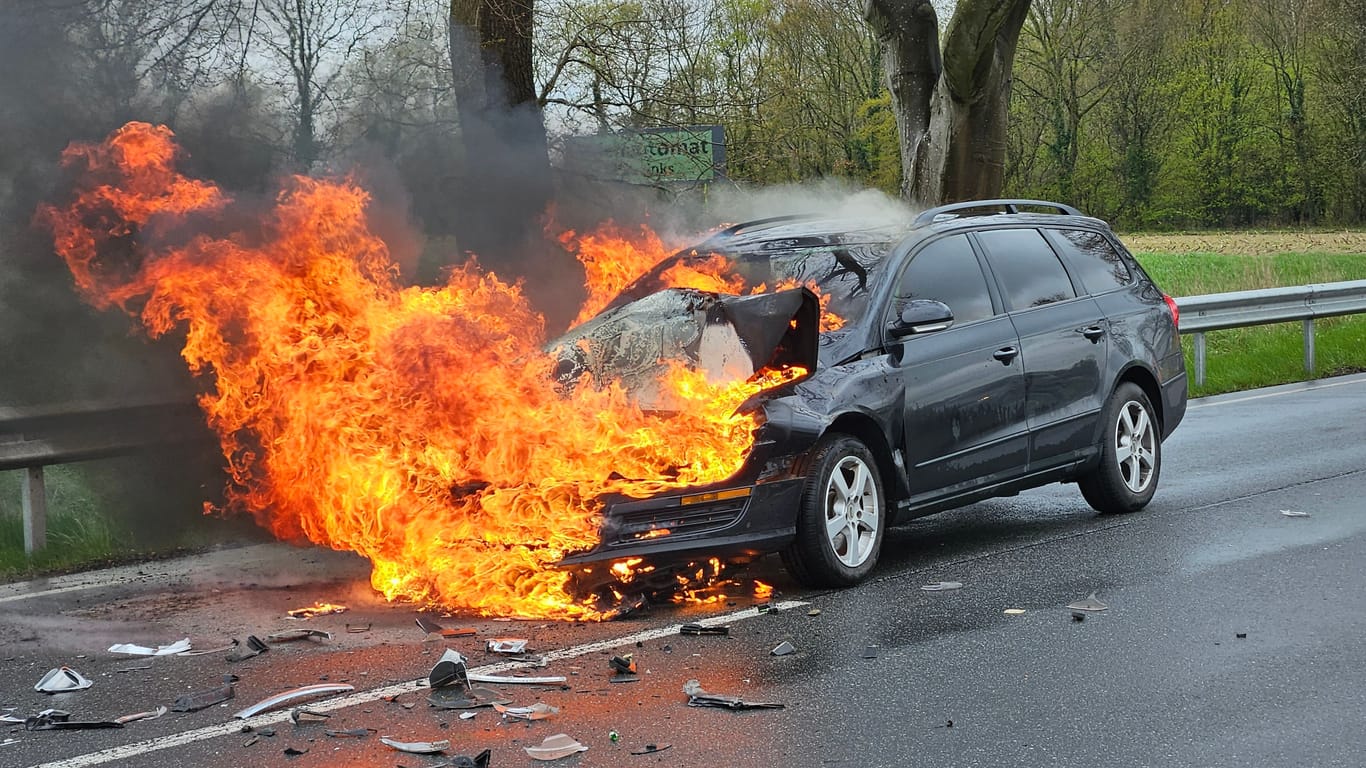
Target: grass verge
[[1265, 355]]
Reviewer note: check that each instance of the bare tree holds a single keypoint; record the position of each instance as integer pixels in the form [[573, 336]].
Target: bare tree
[[951, 106]]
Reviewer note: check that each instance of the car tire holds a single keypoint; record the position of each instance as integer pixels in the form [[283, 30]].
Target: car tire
[[1130, 454], [842, 517]]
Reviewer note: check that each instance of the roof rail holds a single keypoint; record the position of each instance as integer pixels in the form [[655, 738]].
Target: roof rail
[[1010, 206]]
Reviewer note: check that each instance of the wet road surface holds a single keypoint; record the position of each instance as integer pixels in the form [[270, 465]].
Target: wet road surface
[[1233, 636]]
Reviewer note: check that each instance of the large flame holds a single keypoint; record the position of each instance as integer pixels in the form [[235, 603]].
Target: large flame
[[418, 427]]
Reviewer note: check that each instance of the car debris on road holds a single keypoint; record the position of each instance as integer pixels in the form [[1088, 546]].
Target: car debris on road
[[61, 680], [555, 747], [697, 697], [307, 691]]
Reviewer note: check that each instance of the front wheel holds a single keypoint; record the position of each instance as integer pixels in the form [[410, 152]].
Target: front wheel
[[1130, 454], [842, 516]]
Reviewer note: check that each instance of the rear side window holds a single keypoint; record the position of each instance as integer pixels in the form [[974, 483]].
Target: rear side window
[[1026, 266], [947, 270], [1095, 260]]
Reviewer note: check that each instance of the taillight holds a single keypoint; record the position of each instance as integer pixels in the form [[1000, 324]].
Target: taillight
[[1176, 311]]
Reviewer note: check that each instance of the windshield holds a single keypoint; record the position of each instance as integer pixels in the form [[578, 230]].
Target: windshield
[[839, 271]]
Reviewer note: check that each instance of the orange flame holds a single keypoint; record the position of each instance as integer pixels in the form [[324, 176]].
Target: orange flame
[[418, 427]]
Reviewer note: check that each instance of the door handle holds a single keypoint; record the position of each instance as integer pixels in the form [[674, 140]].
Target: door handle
[[1092, 332], [1005, 354]]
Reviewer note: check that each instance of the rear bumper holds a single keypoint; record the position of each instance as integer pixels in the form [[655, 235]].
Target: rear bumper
[[723, 522], [1174, 395]]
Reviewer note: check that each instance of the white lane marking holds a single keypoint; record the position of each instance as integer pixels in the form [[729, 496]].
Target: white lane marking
[[1291, 390], [365, 697]]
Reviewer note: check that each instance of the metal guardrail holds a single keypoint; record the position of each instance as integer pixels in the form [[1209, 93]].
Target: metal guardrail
[[31, 438], [1238, 309], [34, 437]]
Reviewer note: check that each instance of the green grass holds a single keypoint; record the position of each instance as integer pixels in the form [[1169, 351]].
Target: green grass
[[77, 530], [1260, 356]]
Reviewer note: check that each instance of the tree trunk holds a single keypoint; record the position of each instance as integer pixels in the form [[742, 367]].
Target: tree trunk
[[952, 107]]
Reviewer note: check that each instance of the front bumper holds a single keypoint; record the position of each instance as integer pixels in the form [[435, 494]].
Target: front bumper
[[698, 524]]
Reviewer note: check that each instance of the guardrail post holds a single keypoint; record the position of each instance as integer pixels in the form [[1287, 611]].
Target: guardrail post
[[1199, 359], [1309, 345], [35, 510]]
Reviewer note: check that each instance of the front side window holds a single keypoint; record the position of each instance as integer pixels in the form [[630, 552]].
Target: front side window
[[947, 270], [1029, 271]]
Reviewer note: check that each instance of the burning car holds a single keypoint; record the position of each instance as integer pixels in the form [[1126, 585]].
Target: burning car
[[981, 349]]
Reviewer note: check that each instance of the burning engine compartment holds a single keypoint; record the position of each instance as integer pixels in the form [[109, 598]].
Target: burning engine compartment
[[425, 428]]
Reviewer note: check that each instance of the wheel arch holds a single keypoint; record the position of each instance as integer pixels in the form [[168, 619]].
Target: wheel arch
[[866, 429], [1145, 380]]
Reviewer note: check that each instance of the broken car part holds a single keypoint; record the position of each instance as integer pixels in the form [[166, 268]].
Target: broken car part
[[193, 702], [61, 680], [354, 733], [504, 680], [784, 649], [317, 609], [307, 691], [252, 646], [701, 629], [150, 714], [432, 628], [300, 715], [480, 760], [650, 749], [555, 747], [290, 635], [943, 586], [457, 697], [700, 698], [1088, 604], [538, 711], [180, 646], [506, 645], [51, 723], [417, 747], [449, 670], [625, 665]]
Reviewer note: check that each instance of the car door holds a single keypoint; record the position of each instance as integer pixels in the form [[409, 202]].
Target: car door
[[1063, 343], [964, 423]]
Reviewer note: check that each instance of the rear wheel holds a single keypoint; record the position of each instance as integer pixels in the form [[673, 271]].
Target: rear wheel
[[842, 517], [1130, 454]]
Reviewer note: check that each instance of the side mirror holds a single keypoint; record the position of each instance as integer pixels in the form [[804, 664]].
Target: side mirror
[[921, 316]]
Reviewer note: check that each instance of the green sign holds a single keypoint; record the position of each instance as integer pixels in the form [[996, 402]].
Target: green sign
[[652, 156]]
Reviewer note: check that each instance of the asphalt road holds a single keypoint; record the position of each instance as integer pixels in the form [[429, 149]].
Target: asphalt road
[[1234, 635]]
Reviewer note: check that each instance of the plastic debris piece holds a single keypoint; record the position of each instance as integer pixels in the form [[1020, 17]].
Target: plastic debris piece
[[417, 747], [193, 702], [356, 629], [300, 715], [290, 635], [245, 649], [506, 645], [504, 680], [468, 715], [697, 697], [555, 747], [465, 698], [1294, 513], [432, 628], [179, 646], [942, 586], [317, 609], [625, 665], [1078, 616], [138, 667], [449, 670], [349, 733], [766, 608], [870, 652], [538, 711], [307, 691], [812, 612], [784, 649], [1241, 635], [150, 714], [61, 680], [480, 760], [1014, 611], [295, 752], [650, 749], [702, 629], [1088, 604]]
